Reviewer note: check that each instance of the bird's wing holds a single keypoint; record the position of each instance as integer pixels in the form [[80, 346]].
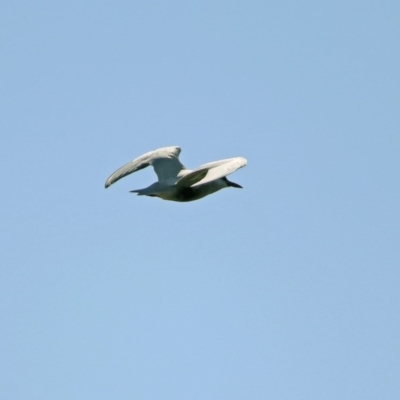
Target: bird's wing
[[211, 171], [165, 162]]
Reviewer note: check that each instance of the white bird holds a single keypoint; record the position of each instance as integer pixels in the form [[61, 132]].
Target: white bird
[[175, 181]]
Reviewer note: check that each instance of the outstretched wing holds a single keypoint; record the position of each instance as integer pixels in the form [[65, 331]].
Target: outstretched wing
[[211, 171], [165, 162]]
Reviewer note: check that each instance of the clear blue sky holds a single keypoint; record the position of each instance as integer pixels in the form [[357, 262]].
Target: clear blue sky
[[287, 289]]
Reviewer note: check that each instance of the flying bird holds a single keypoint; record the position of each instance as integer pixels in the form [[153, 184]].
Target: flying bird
[[175, 181]]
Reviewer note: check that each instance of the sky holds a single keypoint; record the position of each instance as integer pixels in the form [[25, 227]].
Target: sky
[[285, 289]]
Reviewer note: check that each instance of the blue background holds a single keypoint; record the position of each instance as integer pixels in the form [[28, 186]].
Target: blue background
[[287, 289]]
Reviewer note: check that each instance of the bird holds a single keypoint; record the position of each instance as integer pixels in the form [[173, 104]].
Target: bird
[[175, 181]]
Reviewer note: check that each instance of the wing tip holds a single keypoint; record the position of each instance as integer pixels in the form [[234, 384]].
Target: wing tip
[[242, 161], [108, 183]]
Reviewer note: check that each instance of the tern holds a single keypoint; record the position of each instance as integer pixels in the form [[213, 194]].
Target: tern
[[175, 181]]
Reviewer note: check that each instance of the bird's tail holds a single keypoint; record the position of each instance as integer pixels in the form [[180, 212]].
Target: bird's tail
[[142, 192]]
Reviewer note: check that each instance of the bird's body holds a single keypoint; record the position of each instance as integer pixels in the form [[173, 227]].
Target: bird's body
[[175, 181]]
